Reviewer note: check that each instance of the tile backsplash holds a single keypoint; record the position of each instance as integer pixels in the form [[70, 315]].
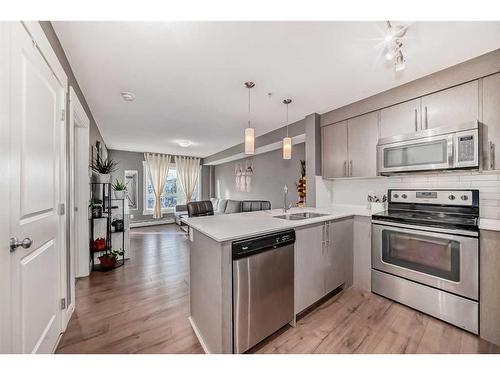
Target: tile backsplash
[[353, 191]]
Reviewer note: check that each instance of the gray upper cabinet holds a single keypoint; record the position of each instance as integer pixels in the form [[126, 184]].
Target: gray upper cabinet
[[334, 150], [491, 122], [401, 118], [451, 107], [362, 139]]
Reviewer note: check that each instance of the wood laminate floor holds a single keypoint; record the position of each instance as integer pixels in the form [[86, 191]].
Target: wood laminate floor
[[143, 308]]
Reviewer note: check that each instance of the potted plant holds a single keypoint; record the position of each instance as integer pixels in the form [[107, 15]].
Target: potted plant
[[103, 169], [117, 224], [96, 207], [109, 260], [120, 189]]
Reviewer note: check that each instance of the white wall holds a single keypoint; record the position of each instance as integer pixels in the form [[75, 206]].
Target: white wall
[[354, 191], [271, 173]]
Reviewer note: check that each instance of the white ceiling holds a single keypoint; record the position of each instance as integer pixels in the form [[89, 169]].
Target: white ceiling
[[188, 76]]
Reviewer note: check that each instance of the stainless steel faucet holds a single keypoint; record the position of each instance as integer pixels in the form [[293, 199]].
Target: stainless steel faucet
[[285, 198]]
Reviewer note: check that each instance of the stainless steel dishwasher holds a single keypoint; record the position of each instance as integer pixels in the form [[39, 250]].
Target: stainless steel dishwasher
[[262, 287]]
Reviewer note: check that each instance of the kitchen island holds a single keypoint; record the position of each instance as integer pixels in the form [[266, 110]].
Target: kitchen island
[[323, 262]]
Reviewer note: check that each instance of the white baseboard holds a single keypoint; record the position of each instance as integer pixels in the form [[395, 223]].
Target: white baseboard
[[198, 335], [138, 224]]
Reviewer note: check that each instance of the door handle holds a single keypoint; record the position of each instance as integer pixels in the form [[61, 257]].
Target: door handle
[[492, 155], [416, 122], [25, 244]]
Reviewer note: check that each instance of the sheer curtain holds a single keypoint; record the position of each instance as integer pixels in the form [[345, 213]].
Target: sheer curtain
[[188, 171], [157, 166]]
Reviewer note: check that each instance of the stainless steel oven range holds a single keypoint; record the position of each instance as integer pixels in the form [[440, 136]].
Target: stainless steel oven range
[[425, 253]]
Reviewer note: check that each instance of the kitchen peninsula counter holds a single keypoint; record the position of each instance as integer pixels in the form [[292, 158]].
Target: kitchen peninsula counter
[[210, 262]]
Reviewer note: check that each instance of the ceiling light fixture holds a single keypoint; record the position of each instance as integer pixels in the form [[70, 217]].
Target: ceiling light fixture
[[128, 96], [287, 141], [394, 41], [184, 143], [249, 131]]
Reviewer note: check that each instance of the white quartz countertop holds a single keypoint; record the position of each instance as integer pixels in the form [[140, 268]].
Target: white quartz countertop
[[489, 224], [228, 227]]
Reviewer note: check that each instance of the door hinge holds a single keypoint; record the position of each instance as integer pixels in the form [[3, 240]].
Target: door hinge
[[61, 209], [63, 303], [63, 114]]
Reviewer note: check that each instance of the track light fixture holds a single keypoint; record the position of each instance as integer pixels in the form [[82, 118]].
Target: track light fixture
[[394, 45]]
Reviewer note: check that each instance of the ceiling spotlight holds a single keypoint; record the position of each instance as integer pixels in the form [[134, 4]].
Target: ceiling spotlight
[[184, 143], [399, 64], [128, 96]]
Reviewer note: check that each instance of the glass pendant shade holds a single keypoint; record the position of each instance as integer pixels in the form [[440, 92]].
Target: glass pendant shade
[[249, 141], [287, 148]]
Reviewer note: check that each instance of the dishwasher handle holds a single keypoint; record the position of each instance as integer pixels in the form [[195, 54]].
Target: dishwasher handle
[[255, 245]]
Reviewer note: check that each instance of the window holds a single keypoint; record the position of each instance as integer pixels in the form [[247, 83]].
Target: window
[[171, 196]]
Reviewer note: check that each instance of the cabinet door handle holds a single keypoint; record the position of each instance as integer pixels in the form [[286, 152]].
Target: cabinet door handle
[[416, 122], [345, 168], [350, 168], [323, 238], [328, 236], [426, 120], [492, 155]]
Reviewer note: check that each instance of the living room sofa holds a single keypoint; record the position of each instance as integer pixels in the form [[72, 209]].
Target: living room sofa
[[225, 206]]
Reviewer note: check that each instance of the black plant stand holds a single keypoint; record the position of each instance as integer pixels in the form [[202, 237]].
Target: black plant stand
[[103, 191]]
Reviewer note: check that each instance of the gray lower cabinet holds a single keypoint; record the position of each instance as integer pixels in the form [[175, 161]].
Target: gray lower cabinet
[[403, 118], [491, 122], [334, 150], [338, 253], [309, 265], [321, 254], [451, 107], [489, 282]]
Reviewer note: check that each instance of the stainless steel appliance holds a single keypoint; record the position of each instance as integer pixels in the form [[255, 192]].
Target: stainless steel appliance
[[262, 287], [425, 253], [430, 149]]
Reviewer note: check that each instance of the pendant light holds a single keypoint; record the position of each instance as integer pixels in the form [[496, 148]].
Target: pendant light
[[287, 141], [249, 131]]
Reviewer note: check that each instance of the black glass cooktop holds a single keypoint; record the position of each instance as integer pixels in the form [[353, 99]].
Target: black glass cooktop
[[430, 218]]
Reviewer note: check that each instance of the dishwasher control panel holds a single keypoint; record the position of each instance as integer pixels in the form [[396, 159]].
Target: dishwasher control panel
[[250, 246]]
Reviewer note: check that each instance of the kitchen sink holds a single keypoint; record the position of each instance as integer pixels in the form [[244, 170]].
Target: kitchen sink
[[299, 216]]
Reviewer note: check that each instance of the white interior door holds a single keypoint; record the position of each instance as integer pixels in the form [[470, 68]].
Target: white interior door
[[36, 190]]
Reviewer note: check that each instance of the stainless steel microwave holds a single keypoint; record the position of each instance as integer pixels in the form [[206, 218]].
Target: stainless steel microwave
[[432, 149]]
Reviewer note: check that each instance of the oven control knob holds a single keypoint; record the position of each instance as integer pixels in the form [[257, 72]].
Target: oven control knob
[[464, 197], [396, 196], [451, 197], [404, 196]]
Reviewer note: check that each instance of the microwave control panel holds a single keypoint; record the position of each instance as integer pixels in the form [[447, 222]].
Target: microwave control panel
[[466, 148]]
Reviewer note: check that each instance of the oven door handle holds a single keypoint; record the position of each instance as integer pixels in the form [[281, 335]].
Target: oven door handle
[[458, 232]]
